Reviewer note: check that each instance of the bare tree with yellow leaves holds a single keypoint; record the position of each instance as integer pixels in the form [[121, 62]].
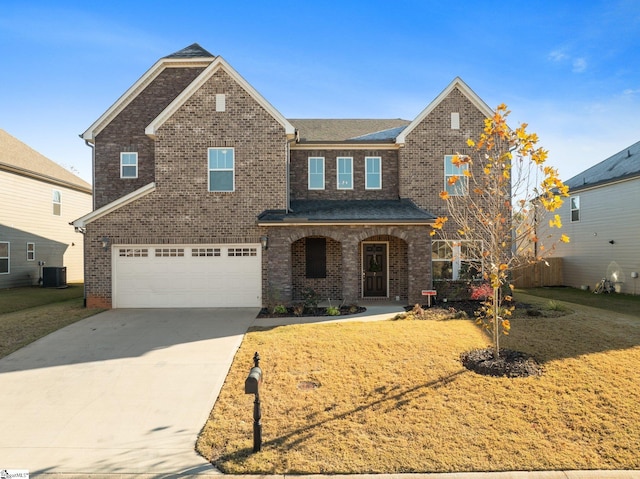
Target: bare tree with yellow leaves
[[492, 201]]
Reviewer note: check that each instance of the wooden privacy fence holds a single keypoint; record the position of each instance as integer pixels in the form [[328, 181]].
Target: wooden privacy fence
[[543, 273]]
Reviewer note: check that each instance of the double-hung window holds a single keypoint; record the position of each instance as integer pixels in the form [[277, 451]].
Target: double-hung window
[[221, 169], [31, 251], [128, 165], [455, 181], [316, 173], [4, 257], [456, 260], [57, 202], [373, 173], [345, 173], [575, 208]]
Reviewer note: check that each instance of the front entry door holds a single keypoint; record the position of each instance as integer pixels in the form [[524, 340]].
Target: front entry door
[[374, 266]]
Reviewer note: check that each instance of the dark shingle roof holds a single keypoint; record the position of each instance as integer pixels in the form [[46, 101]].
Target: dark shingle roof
[[624, 164], [313, 130], [346, 211], [192, 51]]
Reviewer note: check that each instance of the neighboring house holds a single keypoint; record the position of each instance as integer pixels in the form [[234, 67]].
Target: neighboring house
[[206, 195], [39, 199], [602, 219]]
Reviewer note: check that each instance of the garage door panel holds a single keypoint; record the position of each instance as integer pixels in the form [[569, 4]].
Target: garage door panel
[[187, 276]]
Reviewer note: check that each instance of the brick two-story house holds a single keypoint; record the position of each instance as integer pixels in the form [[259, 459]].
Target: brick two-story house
[[205, 195]]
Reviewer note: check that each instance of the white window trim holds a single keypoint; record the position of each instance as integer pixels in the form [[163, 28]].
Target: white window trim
[[572, 209], [8, 257], [56, 201], [350, 158], [366, 173], [456, 259], [309, 173], [464, 179], [232, 170], [33, 251], [122, 165]]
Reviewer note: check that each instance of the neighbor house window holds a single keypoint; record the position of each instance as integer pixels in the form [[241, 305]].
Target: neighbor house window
[[456, 260], [316, 257], [31, 251], [316, 173], [221, 169], [4, 257], [575, 208], [57, 202], [345, 173], [373, 173], [451, 172], [128, 165]]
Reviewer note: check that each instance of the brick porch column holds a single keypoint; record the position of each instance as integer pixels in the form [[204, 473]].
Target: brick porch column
[[351, 274], [278, 264], [419, 255]]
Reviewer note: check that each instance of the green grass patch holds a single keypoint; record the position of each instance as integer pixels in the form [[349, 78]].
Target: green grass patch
[[15, 299], [28, 314], [619, 303]]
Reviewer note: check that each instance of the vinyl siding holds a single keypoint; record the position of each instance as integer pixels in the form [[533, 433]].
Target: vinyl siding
[[27, 207], [607, 213]]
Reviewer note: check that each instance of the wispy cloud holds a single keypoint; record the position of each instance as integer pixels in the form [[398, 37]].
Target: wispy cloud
[[579, 65], [631, 91], [561, 56]]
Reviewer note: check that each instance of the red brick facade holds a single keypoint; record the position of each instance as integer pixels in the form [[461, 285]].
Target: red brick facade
[[270, 169]]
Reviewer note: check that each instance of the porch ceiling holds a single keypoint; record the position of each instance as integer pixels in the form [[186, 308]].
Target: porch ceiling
[[402, 211]]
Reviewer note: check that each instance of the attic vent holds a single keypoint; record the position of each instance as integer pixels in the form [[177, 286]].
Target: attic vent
[[220, 102], [455, 120]]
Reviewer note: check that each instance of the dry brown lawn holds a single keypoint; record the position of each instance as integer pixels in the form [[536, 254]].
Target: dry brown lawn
[[393, 397]]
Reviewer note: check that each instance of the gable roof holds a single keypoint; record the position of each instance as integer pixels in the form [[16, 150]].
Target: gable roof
[[624, 164], [192, 56], [331, 130], [217, 64], [17, 157], [464, 89]]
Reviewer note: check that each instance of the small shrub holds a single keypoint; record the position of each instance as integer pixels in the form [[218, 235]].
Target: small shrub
[[280, 309], [556, 306], [333, 311], [481, 292], [298, 309], [353, 309], [311, 299]]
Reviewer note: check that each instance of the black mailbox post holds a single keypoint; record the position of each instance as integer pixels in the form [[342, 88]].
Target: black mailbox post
[[252, 386]]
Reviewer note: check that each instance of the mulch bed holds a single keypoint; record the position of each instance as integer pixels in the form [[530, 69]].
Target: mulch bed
[[344, 311], [512, 364]]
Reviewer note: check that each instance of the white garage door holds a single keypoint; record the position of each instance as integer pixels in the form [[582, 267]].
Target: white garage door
[[187, 276]]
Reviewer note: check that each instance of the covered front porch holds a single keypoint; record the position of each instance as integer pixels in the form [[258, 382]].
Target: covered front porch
[[348, 260]]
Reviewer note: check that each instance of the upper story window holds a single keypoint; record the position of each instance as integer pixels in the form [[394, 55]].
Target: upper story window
[[31, 251], [373, 173], [4, 257], [316, 173], [57, 202], [221, 169], [452, 172], [128, 165], [345, 173], [575, 208]]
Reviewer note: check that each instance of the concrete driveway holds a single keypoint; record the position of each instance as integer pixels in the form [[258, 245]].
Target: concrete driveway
[[122, 392]]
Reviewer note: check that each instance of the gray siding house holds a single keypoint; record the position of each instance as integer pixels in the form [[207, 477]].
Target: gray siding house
[[602, 218], [39, 199], [206, 195]]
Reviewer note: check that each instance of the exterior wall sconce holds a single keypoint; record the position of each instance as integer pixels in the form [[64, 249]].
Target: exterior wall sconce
[[105, 243], [264, 241]]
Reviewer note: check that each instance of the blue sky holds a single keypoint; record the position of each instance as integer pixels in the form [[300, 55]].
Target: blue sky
[[570, 69]]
